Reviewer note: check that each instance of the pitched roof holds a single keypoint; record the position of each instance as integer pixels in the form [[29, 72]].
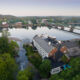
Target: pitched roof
[[43, 44], [51, 49]]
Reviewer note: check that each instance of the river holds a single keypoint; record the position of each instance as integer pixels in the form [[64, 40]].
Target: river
[[22, 59], [27, 34]]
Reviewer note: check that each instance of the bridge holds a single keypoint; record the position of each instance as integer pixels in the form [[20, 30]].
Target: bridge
[[73, 23], [69, 28]]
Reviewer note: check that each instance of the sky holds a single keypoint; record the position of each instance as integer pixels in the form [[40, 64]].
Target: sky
[[40, 7]]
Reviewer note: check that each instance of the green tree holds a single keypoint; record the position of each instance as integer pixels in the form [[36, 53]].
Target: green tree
[[29, 50], [77, 77], [8, 67], [5, 33], [75, 63], [4, 45], [45, 68], [13, 48], [69, 74], [35, 59], [23, 77], [27, 74], [33, 56], [55, 77], [8, 47]]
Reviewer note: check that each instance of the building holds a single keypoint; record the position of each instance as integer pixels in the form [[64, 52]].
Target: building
[[73, 47], [44, 21], [18, 24], [5, 25], [48, 47]]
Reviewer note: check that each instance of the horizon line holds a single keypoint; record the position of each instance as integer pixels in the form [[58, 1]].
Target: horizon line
[[42, 16]]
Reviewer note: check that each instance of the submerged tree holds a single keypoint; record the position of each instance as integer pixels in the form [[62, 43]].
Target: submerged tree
[[13, 48]]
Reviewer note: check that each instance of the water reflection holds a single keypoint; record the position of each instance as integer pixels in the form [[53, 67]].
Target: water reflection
[[29, 33]]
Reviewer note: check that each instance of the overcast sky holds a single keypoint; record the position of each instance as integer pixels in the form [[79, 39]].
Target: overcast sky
[[40, 7]]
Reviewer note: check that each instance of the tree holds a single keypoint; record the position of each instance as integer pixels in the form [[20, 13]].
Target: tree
[[29, 50], [45, 68], [8, 67], [27, 74], [13, 48], [34, 21], [5, 33], [23, 77], [55, 77], [35, 59], [4, 45], [33, 56], [8, 47], [75, 63], [69, 74], [77, 77]]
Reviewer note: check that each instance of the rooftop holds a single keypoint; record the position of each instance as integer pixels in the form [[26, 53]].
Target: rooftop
[[50, 45], [43, 43]]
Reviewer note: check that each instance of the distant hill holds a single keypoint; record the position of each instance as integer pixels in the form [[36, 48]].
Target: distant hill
[[8, 17]]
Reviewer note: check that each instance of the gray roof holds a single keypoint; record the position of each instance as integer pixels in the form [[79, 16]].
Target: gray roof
[[44, 44], [48, 48]]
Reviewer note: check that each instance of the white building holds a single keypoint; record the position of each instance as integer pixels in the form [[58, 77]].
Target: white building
[[48, 47]]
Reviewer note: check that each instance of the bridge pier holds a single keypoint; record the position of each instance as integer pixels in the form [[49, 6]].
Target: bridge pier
[[71, 29], [62, 27], [56, 27]]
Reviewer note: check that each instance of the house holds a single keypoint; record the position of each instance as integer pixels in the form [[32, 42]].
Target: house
[[5, 25], [48, 47], [44, 21], [18, 24]]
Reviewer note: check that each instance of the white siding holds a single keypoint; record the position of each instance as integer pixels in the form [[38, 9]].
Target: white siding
[[41, 51]]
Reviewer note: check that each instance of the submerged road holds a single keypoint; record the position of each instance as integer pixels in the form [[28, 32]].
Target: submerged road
[[22, 59]]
